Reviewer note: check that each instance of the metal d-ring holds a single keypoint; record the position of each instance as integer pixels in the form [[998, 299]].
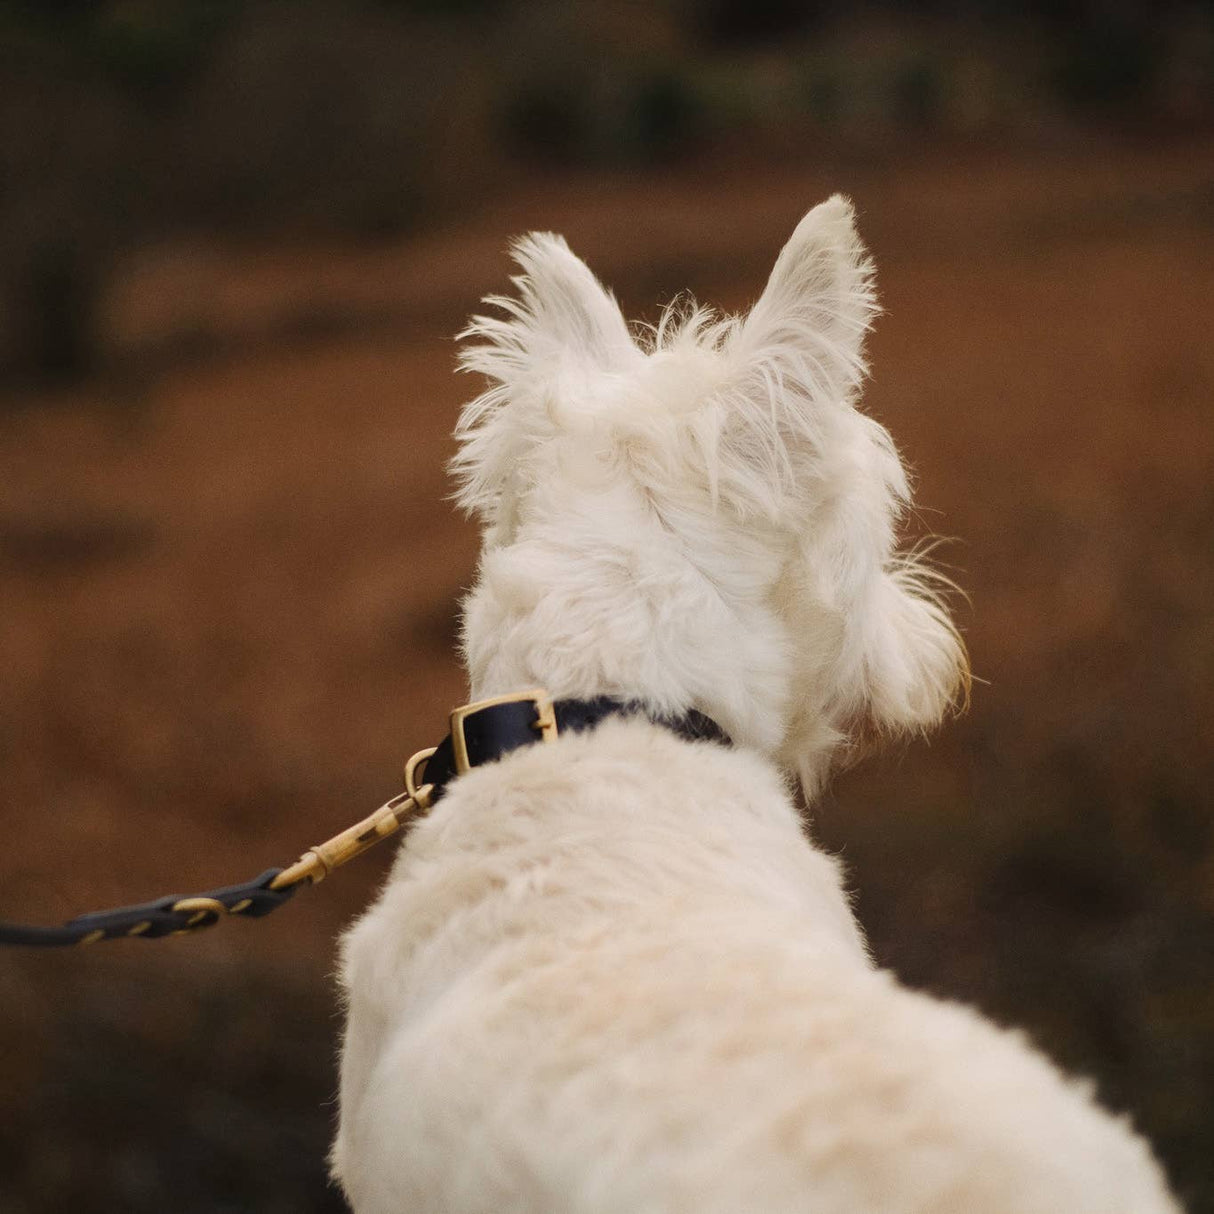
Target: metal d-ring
[[419, 793]]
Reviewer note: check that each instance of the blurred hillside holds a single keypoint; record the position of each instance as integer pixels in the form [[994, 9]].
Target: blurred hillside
[[235, 241], [134, 120]]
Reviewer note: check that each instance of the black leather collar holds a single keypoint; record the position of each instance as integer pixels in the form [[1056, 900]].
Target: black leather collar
[[487, 730]]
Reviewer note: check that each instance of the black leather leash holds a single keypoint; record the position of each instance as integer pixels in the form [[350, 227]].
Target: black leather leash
[[480, 733]]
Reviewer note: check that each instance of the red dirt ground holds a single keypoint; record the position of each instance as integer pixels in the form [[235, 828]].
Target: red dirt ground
[[230, 578]]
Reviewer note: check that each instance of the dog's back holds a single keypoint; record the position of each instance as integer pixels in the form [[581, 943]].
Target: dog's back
[[611, 975]]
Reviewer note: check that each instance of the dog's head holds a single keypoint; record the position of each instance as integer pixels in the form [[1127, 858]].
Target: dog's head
[[699, 515]]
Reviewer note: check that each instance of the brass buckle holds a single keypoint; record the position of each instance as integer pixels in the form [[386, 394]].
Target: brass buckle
[[545, 721]]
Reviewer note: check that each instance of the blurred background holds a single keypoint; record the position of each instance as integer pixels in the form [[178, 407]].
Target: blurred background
[[235, 241]]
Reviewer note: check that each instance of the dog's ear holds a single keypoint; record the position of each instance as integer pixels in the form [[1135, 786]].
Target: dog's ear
[[792, 368], [807, 458], [544, 358], [809, 324]]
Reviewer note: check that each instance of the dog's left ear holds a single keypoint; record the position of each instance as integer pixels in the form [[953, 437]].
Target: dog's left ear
[[811, 320], [797, 450], [793, 366], [544, 358]]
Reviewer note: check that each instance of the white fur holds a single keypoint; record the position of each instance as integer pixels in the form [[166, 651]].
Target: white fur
[[612, 974]]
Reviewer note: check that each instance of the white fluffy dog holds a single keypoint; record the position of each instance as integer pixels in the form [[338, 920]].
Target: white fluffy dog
[[611, 974]]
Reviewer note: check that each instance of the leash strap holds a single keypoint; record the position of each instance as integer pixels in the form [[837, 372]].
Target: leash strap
[[480, 733], [171, 915]]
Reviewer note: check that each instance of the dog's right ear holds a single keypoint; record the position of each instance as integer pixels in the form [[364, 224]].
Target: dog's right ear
[[544, 359]]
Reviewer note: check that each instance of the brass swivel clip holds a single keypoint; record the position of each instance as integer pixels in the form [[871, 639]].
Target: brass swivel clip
[[317, 862]]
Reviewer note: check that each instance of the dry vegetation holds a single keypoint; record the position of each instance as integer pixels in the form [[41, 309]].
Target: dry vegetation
[[227, 606]]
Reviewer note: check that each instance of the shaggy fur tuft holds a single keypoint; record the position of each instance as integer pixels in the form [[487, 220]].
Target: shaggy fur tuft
[[611, 975]]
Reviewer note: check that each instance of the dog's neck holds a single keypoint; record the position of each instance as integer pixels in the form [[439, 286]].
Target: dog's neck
[[583, 609]]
